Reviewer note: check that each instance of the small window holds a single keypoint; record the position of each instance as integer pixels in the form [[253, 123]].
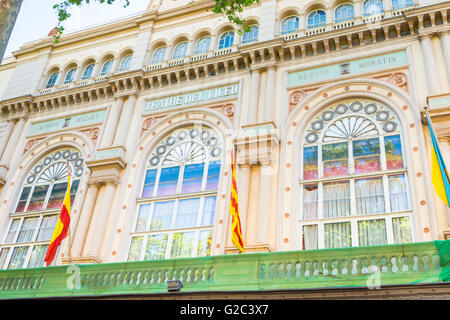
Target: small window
[[106, 68], [202, 45], [316, 19], [344, 12], [250, 36], [180, 50], [52, 80], [372, 7], [399, 4], [158, 55], [87, 73], [226, 40], [289, 25], [125, 63], [70, 75]]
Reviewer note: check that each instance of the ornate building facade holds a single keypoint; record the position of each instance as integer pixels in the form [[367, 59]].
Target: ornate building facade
[[323, 102]]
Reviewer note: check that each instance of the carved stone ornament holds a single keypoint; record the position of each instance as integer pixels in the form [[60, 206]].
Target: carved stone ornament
[[398, 79], [93, 133], [148, 123], [228, 110], [30, 144], [295, 98]]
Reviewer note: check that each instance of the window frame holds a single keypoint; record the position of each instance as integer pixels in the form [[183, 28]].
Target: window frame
[[72, 72], [109, 69], [318, 219], [222, 44], [252, 33], [161, 58], [297, 19], [88, 71], [196, 51], [312, 16], [179, 55], [344, 5], [176, 197], [125, 63], [53, 77], [376, 3]]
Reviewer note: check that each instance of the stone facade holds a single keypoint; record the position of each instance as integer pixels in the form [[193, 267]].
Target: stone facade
[[261, 97]]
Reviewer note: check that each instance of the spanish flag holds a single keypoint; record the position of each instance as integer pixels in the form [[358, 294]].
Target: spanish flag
[[236, 232], [62, 226], [439, 174]]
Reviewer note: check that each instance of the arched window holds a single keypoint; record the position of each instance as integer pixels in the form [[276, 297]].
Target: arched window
[[289, 25], [52, 79], [398, 4], [344, 12], [226, 40], [354, 179], [158, 55], [125, 63], [250, 36], [36, 213], [176, 209], [372, 7], [180, 50], [106, 68], [202, 45], [87, 73], [316, 19], [70, 75]]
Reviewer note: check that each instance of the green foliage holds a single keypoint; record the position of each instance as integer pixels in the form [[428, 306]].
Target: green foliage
[[334, 151], [230, 8]]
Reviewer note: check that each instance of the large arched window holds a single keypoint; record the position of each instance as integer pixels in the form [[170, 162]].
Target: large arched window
[[372, 7], [289, 25], [226, 40], [32, 224], [52, 79], [399, 4], [176, 209], [87, 73], [180, 50], [158, 55], [106, 68], [70, 75], [125, 63], [344, 12], [250, 36], [354, 179], [202, 45], [316, 19]]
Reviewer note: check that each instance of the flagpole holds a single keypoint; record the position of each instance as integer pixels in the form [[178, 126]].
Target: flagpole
[[68, 230]]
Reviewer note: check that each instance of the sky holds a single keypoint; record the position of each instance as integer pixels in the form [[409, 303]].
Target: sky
[[37, 17]]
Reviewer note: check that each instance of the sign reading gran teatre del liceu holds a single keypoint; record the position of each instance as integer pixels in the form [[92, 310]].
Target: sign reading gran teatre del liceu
[[79, 120], [192, 98], [353, 67]]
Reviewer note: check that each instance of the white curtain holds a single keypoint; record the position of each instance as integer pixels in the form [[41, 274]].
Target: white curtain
[[310, 198], [204, 243], [369, 196], [26, 233], [18, 258], [47, 228], [3, 254], [156, 247], [310, 237], [372, 232], [208, 211], [187, 213], [135, 248], [37, 256], [402, 230], [182, 244], [162, 215], [144, 213], [337, 235], [398, 193], [12, 231], [336, 199]]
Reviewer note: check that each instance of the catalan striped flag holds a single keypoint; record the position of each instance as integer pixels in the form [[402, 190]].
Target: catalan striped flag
[[62, 226], [236, 232], [439, 174]]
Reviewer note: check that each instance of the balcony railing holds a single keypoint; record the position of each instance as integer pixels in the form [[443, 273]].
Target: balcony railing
[[425, 262], [71, 85]]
